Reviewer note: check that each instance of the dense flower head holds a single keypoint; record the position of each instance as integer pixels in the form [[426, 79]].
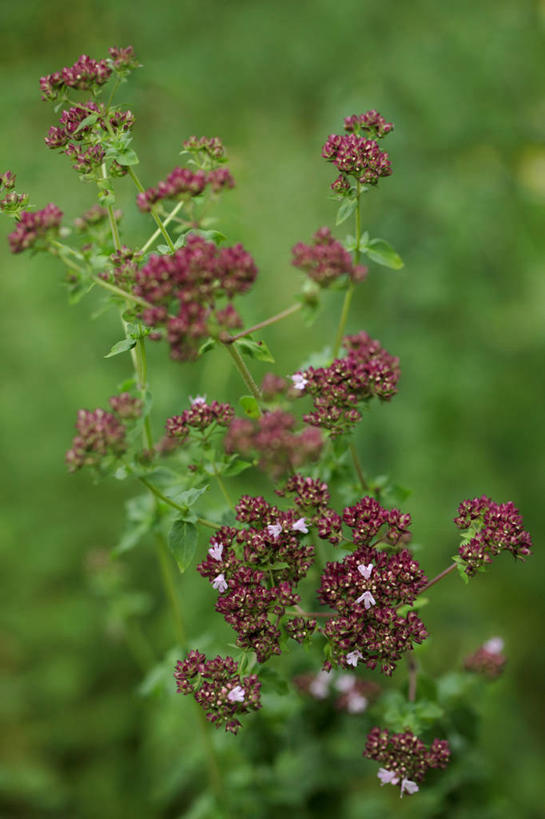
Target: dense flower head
[[366, 371], [100, 434], [183, 182], [124, 264], [74, 127], [273, 437], [255, 570], [311, 496], [206, 148], [7, 180], [85, 161], [218, 688], [358, 157], [326, 260], [87, 74], [126, 406], [11, 202], [200, 416], [123, 59], [491, 528], [488, 660], [367, 518], [33, 226], [404, 758], [372, 123], [195, 275], [366, 588]]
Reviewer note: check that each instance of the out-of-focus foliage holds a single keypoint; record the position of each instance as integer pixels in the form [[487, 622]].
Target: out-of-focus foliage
[[466, 209]]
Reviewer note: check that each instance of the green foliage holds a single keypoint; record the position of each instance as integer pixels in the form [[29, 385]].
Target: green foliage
[[182, 541]]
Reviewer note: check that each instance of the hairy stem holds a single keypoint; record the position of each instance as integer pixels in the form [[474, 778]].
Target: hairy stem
[[168, 219], [244, 371], [289, 311], [153, 211], [440, 576]]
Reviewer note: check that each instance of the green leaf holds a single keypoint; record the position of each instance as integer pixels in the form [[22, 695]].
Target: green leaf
[[215, 236], [90, 120], [345, 211], [188, 496], [140, 513], [121, 347], [209, 344], [250, 406], [182, 542], [235, 466], [382, 253], [461, 567], [254, 349]]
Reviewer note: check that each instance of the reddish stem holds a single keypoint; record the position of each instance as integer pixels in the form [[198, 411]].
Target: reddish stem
[[439, 576]]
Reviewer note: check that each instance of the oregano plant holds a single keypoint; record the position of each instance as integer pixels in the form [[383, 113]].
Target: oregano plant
[[323, 563]]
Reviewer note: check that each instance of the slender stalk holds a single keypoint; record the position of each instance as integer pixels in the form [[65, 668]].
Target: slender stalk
[[350, 291], [119, 292], [166, 221], [66, 248], [357, 466], [413, 673], [111, 216], [289, 311], [153, 212], [440, 576], [158, 494], [243, 370], [169, 584], [224, 491]]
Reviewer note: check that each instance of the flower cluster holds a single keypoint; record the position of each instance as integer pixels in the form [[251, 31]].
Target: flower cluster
[[372, 123], [255, 570], [11, 202], [366, 371], [491, 528], [312, 497], [33, 226], [196, 275], [182, 182], [101, 433], [488, 660], [93, 217], [354, 155], [74, 127], [87, 74], [272, 436], [367, 518], [326, 260], [404, 757], [366, 589], [206, 150], [353, 694], [218, 688], [200, 416]]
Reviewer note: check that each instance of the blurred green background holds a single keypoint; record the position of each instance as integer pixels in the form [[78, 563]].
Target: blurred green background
[[465, 207]]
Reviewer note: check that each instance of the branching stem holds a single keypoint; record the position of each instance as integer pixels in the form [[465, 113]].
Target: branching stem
[[289, 311]]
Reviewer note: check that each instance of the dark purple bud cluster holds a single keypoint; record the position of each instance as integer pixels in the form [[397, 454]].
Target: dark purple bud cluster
[[101, 433], [218, 688], [366, 371], [255, 571], [183, 182], [124, 266], [367, 518], [404, 757], [126, 406], [367, 588], [34, 226], [312, 498], [491, 528], [85, 161], [356, 156], [72, 125], [206, 149], [273, 438], [87, 74], [196, 275], [326, 260], [11, 202], [200, 416], [372, 123], [488, 660]]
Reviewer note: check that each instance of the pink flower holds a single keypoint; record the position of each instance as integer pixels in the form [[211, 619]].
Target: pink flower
[[299, 381], [216, 551], [236, 694], [368, 599], [219, 583], [409, 786], [365, 571], [494, 645], [353, 657], [274, 530], [387, 777], [300, 526]]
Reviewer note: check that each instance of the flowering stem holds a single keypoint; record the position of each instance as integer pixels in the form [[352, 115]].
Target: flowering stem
[[223, 489], [244, 371], [413, 672], [166, 221], [153, 212], [142, 369], [153, 489], [350, 291], [440, 576], [357, 466], [272, 320], [111, 216]]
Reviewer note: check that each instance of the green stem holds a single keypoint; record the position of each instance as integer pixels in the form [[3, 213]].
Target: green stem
[[111, 216], [244, 371], [413, 672], [224, 491], [169, 585], [119, 292], [158, 494], [153, 212], [357, 466], [350, 291], [272, 320], [166, 222]]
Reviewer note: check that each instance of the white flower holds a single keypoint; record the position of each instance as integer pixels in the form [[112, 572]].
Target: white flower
[[300, 526], [199, 399], [365, 570], [236, 694], [494, 645], [299, 381], [220, 583], [387, 777], [368, 599], [215, 550], [353, 657], [409, 786], [319, 687], [345, 682], [274, 529], [356, 703]]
